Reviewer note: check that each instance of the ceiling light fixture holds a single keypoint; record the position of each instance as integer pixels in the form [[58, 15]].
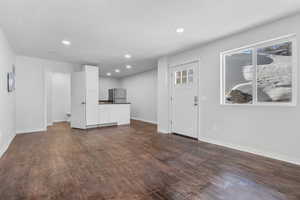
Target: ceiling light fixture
[[179, 30], [66, 42], [117, 70], [127, 56], [108, 74], [128, 66]]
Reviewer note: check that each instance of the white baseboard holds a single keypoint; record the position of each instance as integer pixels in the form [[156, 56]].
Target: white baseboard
[[31, 131], [163, 131], [57, 121], [144, 120], [60, 120], [254, 151], [5, 146]]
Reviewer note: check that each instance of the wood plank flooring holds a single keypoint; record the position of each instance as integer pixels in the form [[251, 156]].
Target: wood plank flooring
[[135, 162]]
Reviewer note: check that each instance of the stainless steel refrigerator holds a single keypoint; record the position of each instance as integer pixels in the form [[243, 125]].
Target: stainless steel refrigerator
[[117, 95]]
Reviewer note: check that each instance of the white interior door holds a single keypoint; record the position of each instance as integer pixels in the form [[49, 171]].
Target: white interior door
[[78, 101], [184, 99]]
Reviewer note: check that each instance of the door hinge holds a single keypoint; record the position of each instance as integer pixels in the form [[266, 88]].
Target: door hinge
[[171, 98]]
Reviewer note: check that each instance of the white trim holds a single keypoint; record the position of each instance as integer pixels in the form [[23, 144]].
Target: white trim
[[163, 131], [45, 73], [4, 148], [254, 47], [277, 104], [31, 131], [254, 151], [259, 43], [143, 120], [60, 120], [254, 81]]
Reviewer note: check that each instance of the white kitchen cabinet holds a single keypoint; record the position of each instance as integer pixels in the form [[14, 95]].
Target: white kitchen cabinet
[[104, 114], [122, 113], [114, 114]]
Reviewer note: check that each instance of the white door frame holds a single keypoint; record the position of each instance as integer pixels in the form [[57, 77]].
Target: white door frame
[[170, 67]]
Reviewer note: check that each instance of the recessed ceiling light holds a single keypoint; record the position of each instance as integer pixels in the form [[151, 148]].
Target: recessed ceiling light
[[127, 56], [179, 30], [108, 74], [128, 66], [66, 42], [117, 70]]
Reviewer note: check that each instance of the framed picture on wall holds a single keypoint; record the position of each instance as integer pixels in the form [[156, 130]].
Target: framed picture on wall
[[11, 80], [260, 74]]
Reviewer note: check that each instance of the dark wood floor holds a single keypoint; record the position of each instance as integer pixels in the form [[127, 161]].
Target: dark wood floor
[[130, 163]]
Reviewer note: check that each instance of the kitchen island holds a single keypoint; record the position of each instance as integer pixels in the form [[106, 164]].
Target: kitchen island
[[110, 113]]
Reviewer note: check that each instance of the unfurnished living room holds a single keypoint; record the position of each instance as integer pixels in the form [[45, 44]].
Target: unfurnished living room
[[149, 100]]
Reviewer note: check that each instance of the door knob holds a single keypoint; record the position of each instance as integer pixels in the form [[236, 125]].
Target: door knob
[[83, 103]]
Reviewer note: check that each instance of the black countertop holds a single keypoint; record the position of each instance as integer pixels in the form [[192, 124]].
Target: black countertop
[[102, 102]]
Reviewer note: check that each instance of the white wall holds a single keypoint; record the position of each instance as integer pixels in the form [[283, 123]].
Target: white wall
[[61, 96], [7, 100], [32, 101], [271, 131], [30, 95], [142, 94], [106, 83], [162, 96]]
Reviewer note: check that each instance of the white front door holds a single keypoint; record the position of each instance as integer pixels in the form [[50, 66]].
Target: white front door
[[78, 100], [184, 99]]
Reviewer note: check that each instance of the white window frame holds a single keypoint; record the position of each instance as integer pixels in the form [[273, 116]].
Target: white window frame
[[254, 47]]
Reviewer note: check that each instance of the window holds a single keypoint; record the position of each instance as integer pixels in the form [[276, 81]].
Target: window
[[260, 74], [191, 75], [178, 78], [184, 77]]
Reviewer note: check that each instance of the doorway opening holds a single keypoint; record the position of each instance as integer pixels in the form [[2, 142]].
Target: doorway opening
[[58, 97]]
